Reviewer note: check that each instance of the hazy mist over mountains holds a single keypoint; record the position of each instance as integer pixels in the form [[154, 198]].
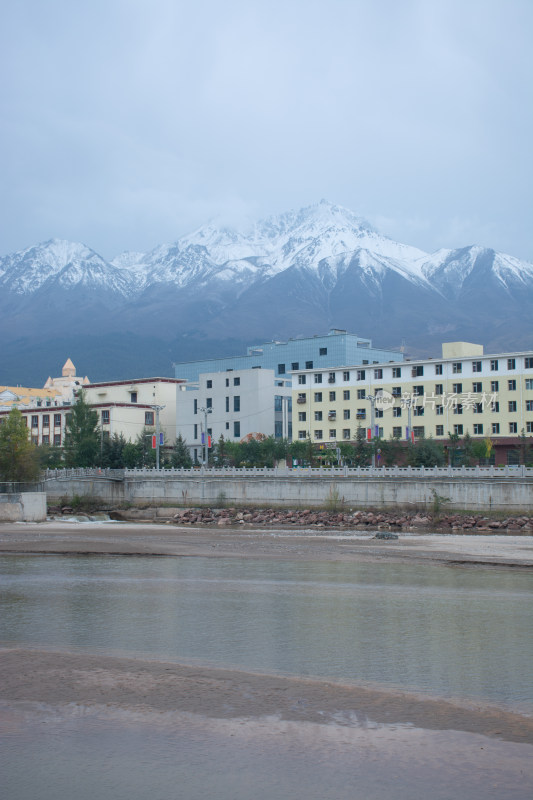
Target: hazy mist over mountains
[[217, 290]]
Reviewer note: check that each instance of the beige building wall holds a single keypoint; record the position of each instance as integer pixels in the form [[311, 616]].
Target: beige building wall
[[484, 395]]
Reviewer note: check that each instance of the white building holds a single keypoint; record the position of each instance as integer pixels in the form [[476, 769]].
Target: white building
[[234, 404]]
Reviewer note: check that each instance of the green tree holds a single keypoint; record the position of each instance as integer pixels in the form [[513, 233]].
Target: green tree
[[112, 455], [426, 453], [82, 435], [362, 450], [391, 451], [180, 456], [18, 456], [50, 456]]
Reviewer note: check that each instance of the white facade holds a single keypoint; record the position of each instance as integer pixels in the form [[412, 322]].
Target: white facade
[[234, 403]]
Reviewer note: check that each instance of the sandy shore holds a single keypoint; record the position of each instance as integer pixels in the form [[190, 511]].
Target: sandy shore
[[63, 537]]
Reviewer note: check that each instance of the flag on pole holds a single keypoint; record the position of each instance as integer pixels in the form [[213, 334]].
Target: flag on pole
[[154, 442]]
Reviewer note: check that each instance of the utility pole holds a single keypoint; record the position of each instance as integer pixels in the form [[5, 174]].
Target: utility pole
[[205, 447], [157, 409], [372, 399]]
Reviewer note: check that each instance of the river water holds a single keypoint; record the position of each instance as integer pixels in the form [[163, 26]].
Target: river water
[[447, 632]]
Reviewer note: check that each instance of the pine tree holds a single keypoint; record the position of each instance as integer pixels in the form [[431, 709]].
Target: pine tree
[[180, 456], [18, 456], [82, 435]]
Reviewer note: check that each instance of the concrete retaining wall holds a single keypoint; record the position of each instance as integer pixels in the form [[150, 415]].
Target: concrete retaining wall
[[499, 494], [23, 507]]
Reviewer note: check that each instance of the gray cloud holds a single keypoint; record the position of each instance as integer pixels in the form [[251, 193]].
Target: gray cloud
[[128, 123]]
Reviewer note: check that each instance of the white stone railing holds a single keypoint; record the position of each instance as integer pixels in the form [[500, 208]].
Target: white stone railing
[[301, 472]]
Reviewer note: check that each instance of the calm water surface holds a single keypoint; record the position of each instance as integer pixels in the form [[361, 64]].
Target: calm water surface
[[450, 632]]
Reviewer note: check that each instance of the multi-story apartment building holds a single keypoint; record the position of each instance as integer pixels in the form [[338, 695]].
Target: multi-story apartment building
[[488, 396], [312, 352], [233, 404]]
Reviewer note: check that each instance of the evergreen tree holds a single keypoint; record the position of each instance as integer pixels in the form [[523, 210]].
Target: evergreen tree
[[50, 456], [180, 456], [426, 453], [18, 456], [362, 450], [82, 435], [112, 455]]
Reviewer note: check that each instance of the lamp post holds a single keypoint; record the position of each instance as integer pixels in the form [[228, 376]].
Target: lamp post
[[372, 399], [409, 404], [205, 411], [157, 409]]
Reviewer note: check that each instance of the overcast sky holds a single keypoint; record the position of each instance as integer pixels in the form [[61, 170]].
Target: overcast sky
[[127, 123]]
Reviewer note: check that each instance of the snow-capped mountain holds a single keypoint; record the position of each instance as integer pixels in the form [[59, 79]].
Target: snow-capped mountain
[[294, 273]]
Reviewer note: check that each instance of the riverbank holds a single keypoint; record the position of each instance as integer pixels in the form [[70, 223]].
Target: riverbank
[[66, 536]]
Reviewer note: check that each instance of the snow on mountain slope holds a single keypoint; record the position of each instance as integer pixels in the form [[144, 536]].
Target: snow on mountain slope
[[450, 270]]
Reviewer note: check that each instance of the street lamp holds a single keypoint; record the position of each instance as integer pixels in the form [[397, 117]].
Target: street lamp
[[157, 409], [372, 399], [205, 448]]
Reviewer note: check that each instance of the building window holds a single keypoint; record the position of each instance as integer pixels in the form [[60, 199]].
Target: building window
[[378, 374], [529, 405], [458, 408], [417, 371], [513, 427], [309, 365], [439, 388], [457, 367], [476, 366], [302, 397], [318, 397], [35, 421], [105, 416], [418, 431], [295, 365], [332, 397], [46, 439], [528, 362], [57, 420], [438, 369], [148, 417], [227, 426], [418, 391], [361, 413], [195, 435], [439, 430], [529, 384], [396, 372], [195, 404], [46, 420], [457, 388], [281, 369], [318, 377], [332, 433], [318, 434], [379, 413], [494, 386], [227, 381], [237, 403], [331, 377], [302, 416], [209, 402], [511, 363], [57, 439], [495, 427], [494, 365], [396, 391], [133, 397], [477, 408], [458, 430], [361, 374], [418, 411], [495, 407], [397, 432], [512, 406], [236, 429], [477, 388], [478, 429], [318, 416], [323, 351], [236, 381], [209, 384], [346, 394], [302, 434], [511, 386], [227, 405], [346, 413], [439, 411], [361, 394], [346, 376], [302, 379], [396, 411], [529, 427], [345, 433]]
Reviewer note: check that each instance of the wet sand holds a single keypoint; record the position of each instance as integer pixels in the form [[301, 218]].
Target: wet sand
[[63, 537]]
